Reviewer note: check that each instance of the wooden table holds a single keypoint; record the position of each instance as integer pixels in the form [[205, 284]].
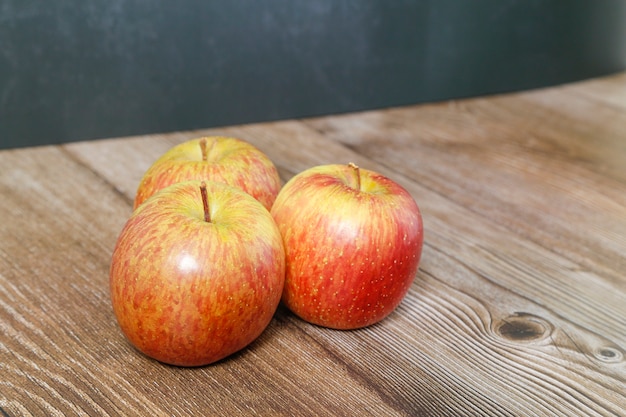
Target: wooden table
[[519, 307]]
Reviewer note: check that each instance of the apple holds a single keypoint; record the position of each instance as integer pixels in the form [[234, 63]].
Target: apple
[[353, 241], [215, 158], [197, 273]]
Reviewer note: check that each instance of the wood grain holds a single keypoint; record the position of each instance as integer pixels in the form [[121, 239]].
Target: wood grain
[[518, 308]]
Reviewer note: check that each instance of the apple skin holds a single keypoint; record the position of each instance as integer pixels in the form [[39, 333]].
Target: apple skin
[[189, 292], [228, 160], [353, 241]]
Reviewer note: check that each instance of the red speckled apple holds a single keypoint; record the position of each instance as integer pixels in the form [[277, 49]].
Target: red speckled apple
[[215, 158], [197, 273], [353, 240]]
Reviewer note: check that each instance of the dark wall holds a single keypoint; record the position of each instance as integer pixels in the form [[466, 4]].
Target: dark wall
[[74, 69]]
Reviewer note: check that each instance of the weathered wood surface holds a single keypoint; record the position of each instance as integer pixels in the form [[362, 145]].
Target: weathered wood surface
[[519, 307]]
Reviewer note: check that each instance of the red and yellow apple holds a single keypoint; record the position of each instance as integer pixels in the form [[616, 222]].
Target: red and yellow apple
[[353, 240], [215, 158], [197, 273]]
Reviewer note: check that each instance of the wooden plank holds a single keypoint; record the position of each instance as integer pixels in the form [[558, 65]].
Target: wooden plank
[[609, 90], [517, 308]]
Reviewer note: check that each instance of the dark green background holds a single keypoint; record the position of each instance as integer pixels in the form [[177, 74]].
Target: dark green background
[[75, 69]]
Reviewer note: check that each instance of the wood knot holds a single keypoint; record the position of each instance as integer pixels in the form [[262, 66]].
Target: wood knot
[[524, 327], [609, 354]]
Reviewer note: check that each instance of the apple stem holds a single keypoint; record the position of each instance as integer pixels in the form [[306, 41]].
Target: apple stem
[[357, 173], [206, 153], [203, 148], [205, 202]]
